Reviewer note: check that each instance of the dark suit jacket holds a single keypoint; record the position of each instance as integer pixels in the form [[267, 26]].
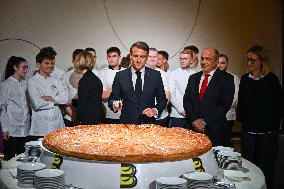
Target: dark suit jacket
[[216, 102], [122, 89], [90, 108]]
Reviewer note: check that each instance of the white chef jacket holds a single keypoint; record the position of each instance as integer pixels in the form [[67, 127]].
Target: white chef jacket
[[96, 72], [15, 116], [231, 114], [107, 76], [178, 81], [165, 80], [71, 91], [57, 73], [46, 115]]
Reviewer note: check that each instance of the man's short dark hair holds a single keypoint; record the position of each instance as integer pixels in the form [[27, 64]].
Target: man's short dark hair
[[192, 48], [225, 56], [75, 52], [164, 54], [46, 53], [113, 49], [140, 45]]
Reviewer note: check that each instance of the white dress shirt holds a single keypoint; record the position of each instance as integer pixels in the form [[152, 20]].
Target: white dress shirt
[[107, 76], [209, 78], [15, 116], [46, 115], [178, 82]]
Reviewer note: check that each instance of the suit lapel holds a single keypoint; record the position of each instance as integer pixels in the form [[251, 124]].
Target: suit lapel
[[198, 77], [212, 83]]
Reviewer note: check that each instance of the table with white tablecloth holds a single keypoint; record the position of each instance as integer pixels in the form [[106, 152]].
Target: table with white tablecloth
[[250, 175]]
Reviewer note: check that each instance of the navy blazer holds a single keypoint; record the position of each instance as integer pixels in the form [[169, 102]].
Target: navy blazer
[[216, 102], [122, 89]]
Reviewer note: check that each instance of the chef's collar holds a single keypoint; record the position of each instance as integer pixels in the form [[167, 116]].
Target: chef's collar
[[110, 67]]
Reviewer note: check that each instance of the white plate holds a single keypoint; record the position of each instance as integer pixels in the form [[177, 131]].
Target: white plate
[[200, 176], [33, 143], [31, 166], [49, 173], [229, 154], [171, 180]]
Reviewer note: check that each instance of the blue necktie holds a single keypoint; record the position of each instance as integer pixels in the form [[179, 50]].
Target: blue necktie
[[138, 85]]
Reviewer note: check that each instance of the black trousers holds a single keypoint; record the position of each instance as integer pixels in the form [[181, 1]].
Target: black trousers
[[111, 121], [228, 131], [163, 122], [262, 150], [14, 146]]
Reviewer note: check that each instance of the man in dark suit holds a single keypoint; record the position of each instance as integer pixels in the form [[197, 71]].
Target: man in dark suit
[[135, 89], [208, 96]]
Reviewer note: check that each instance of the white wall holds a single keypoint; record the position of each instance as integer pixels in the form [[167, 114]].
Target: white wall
[[231, 26]]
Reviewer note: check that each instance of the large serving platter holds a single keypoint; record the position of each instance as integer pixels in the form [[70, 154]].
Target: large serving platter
[[91, 174]]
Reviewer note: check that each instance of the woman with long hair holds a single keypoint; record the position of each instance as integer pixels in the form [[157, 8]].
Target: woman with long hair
[[15, 116]]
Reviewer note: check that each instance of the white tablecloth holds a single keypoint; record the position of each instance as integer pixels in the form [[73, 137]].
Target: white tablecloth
[[254, 178]]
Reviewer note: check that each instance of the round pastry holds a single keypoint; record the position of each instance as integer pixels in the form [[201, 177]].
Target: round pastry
[[127, 143]]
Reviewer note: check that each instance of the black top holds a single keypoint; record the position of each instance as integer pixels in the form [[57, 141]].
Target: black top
[[90, 108], [259, 103]]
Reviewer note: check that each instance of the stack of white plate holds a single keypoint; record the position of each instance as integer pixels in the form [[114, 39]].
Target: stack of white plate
[[26, 173], [229, 160], [171, 183], [218, 149], [49, 179], [223, 184], [198, 180], [32, 148]]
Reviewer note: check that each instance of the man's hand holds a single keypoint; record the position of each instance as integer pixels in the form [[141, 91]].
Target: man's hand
[[199, 125], [6, 135], [150, 112], [47, 98], [117, 105], [106, 94]]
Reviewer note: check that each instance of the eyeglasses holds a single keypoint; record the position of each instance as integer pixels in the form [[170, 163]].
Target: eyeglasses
[[252, 60], [184, 59]]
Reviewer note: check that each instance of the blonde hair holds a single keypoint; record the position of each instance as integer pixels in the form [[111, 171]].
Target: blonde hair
[[263, 56], [84, 61], [187, 51]]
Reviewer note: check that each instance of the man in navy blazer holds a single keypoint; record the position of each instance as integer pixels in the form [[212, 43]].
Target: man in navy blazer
[[207, 102], [138, 107]]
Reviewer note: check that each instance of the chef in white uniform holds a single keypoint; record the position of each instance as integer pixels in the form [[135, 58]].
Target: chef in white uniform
[[107, 75], [46, 94], [15, 116]]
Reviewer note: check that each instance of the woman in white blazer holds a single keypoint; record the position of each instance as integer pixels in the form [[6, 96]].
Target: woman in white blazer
[[46, 94], [15, 116]]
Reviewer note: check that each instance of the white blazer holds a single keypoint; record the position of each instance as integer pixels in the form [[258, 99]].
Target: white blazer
[[15, 116], [46, 115]]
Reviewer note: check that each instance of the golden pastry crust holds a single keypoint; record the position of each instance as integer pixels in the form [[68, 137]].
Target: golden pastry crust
[[127, 143]]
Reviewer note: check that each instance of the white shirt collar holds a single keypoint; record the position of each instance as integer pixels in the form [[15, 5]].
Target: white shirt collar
[[142, 70], [211, 73]]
